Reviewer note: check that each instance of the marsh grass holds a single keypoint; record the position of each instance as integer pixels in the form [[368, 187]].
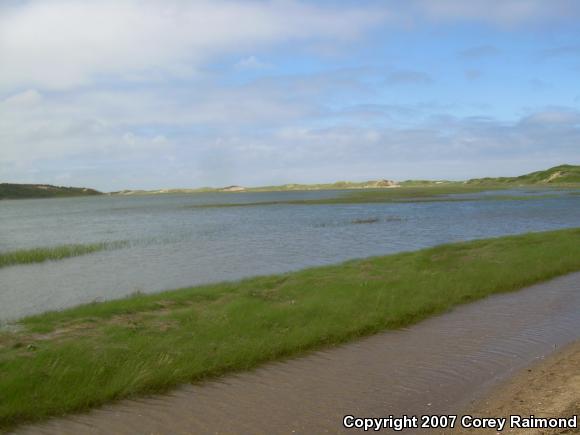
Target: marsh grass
[[401, 194], [39, 255], [67, 361], [433, 193]]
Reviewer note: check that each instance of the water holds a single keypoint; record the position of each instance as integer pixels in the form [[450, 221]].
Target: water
[[173, 244]]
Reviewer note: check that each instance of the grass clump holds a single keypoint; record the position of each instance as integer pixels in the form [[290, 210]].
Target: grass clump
[[82, 357], [365, 221], [39, 255]]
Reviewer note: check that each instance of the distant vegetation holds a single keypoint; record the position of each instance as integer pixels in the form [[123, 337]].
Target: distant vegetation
[[566, 175], [562, 174], [424, 183], [559, 175], [83, 357], [23, 191], [339, 185], [39, 255]]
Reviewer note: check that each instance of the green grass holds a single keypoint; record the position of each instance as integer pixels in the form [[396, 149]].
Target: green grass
[[39, 255], [82, 357]]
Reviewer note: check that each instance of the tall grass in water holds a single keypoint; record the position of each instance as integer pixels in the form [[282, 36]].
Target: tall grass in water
[[85, 356], [39, 255]]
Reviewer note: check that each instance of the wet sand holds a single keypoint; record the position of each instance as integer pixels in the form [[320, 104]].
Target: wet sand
[[550, 388], [441, 365]]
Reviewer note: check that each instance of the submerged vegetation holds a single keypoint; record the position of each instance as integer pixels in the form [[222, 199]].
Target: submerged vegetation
[[82, 357], [373, 220], [39, 255]]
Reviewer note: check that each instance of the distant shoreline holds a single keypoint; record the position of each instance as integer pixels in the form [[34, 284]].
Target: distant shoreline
[[43, 191], [558, 176]]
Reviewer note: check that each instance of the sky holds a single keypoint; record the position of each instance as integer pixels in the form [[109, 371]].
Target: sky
[[148, 94]]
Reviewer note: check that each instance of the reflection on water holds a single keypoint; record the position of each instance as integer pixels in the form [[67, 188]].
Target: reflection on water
[[174, 245]]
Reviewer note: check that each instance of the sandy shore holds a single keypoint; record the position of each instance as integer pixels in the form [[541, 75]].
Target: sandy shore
[[550, 388]]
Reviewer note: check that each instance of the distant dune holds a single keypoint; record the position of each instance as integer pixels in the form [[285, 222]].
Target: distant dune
[[557, 175], [23, 191], [563, 174], [339, 185]]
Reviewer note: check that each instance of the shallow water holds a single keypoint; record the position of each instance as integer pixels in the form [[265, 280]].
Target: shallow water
[[173, 244], [435, 367]]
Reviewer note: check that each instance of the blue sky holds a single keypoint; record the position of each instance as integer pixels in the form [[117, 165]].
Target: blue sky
[[156, 94]]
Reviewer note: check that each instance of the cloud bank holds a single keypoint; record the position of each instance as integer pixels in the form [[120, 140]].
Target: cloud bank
[[146, 94], [64, 43]]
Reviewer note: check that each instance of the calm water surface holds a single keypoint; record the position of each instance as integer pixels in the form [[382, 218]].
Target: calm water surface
[[173, 244]]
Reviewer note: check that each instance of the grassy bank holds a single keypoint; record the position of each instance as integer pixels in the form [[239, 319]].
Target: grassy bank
[[82, 357], [39, 255]]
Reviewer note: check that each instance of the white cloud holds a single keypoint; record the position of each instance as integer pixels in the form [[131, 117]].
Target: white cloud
[[65, 43], [251, 63], [33, 128], [236, 133], [92, 89], [454, 148], [26, 98]]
